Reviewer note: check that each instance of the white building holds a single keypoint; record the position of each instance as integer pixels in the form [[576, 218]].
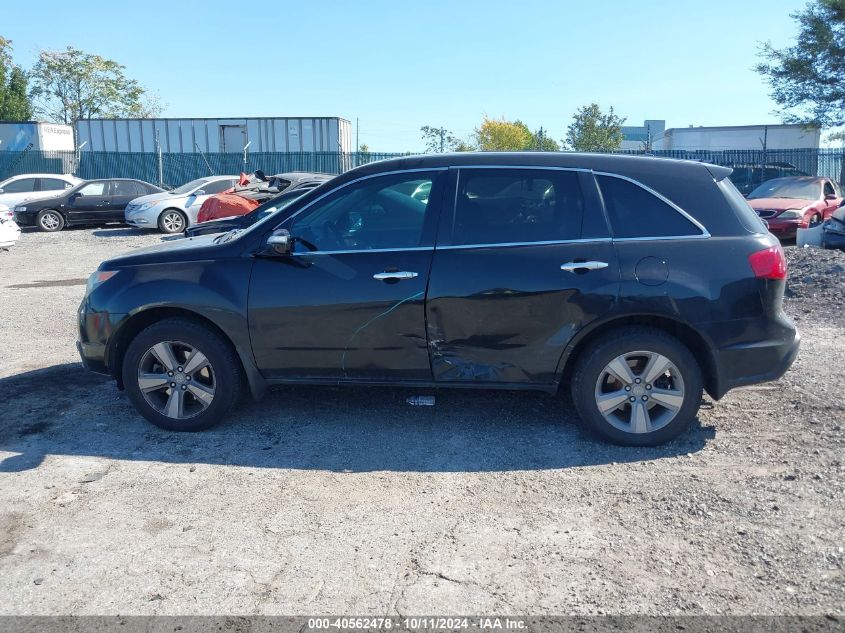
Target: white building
[[740, 137], [640, 137]]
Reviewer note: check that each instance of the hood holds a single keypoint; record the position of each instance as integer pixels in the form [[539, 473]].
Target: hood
[[174, 250], [163, 195], [779, 204]]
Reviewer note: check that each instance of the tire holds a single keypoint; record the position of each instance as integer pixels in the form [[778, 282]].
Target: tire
[[49, 221], [663, 408], [218, 384], [172, 221], [814, 221]]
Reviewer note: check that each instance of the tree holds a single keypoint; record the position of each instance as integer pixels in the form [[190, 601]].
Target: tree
[[543, 142], [439, 139], [501, 135], [808, 79], [70, 85], [14, 101], [592, 130]]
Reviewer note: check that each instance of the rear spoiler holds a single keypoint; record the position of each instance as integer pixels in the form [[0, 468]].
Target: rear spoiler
[[718, 172]]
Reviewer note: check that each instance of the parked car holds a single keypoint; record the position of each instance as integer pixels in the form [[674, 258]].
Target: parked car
[[747, 177], [245, 197], [788, 204], [174, 211], [518, 271], [244, 221], [91, 202], [10, 232], [16, 189]]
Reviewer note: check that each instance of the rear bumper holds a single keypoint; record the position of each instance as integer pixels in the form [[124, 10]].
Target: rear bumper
[[761, 360]]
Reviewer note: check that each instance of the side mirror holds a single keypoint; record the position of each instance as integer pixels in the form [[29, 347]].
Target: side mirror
[[1, 190], [281, 242]]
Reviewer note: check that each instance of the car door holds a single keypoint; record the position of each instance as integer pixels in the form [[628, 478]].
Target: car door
[[523, 262], [349, 303], [86, 205], [122, 192]]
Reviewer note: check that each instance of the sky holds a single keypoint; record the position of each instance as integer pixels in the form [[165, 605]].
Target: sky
[[395, 66]]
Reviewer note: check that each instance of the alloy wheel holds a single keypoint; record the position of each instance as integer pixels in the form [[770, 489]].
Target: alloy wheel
[[176, 379], [50, 221], [639, 392], [172, 222]]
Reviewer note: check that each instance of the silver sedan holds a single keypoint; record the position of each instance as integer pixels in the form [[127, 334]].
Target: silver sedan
[[174, 211]]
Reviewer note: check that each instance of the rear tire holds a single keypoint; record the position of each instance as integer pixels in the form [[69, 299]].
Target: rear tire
[[172, 221], [181, 375], [49, 221], [637, 386]]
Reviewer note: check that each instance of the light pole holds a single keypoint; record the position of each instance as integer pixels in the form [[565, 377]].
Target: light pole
[[246, 147]]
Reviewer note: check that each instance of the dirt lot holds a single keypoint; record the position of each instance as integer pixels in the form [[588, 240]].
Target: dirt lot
[[321, 500]]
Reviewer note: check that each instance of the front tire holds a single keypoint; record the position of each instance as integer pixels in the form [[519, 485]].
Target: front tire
[[49, 221], [637, 386], [181, 375], [172, 221], [814, 221]]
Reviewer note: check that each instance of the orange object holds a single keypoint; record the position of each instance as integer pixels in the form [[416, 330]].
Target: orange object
[[225, 205]]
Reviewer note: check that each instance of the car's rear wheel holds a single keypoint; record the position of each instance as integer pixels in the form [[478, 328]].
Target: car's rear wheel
[[50, 221], [172, 221], [637, 387], [181, 375]]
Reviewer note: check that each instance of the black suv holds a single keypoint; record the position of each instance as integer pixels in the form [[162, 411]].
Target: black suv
[[639, 281]]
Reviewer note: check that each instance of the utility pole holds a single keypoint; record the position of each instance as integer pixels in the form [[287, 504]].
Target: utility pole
[[540, 139], [160, 163], [357, 135], [765, 141]]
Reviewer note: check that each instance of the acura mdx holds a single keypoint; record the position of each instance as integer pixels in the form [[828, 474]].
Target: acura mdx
[[639, 282]]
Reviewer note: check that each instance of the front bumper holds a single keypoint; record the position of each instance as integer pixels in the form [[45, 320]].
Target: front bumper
[[95, 333], [24, 219], [785, 229]]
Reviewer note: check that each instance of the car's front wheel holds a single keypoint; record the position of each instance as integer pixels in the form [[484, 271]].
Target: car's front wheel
[[50, 221], [172, 221], [181, 375], [637, 387]]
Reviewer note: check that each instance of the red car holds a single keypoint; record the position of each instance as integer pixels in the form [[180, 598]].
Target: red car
[[798, 202]]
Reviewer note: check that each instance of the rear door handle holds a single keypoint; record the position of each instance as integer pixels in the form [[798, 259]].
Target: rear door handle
[[572, 267], [399, 275]]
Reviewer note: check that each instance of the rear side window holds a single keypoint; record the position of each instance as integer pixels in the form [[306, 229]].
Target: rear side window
[[747, 216], [636, 212], [217, 186], [128, 188], [54, 184], [499, 206]]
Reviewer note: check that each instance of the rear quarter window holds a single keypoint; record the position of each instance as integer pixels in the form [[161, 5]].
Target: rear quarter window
[[746, 215], [636, 212]]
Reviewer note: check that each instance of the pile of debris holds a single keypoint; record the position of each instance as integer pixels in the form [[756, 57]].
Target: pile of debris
[[816, 283]]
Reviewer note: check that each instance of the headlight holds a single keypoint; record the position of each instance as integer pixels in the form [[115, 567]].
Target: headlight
[[147, 205], [792, 214], [20, 208], [97, 278]]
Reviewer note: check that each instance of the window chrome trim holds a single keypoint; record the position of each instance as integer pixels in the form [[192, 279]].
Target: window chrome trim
[[365, 250], [589, 240], [704, 232]]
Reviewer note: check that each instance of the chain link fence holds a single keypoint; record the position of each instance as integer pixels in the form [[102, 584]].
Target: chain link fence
[[751, 166]]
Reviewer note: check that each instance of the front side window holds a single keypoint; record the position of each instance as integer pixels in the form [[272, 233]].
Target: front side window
[[828, 189], [500, 206], [376, 213], [93, 189], [24, 185], [636, 212]]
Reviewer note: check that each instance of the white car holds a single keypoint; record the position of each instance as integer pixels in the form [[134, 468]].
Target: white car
[[9, 230], [174, 211], [16, 189]]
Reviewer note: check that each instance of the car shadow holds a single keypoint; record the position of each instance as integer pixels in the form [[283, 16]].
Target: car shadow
[[120, 231], [64, 410]]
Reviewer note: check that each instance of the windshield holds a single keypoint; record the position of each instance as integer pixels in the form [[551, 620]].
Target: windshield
[[788, 188], [188, 187]]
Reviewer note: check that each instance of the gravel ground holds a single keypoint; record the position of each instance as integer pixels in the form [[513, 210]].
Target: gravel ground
[[320, 500]]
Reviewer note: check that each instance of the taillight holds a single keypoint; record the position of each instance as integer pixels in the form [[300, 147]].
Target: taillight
[[770, 263]]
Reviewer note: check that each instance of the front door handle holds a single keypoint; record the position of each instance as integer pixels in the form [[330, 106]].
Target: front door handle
[[399, 275], [573, 267]]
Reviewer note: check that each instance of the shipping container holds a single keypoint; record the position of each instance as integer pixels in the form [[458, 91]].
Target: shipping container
[[24, 136], [226, 135]]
